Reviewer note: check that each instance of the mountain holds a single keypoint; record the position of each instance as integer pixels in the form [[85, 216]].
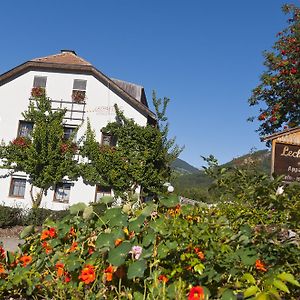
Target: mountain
[[182, 167], [185, 179]]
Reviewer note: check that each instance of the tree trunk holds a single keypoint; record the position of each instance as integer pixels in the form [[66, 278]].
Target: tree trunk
[[37, 198]]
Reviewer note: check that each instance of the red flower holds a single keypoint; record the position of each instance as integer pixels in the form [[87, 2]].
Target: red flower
[[283, 52], [199, 253], [37, 92], [25, 260], [87, 274], [259, 265], [74, 247], [163, 278], [293, 70], [196, 293], [51, 232], [72, 231], [47, 247], [21, 142], [91, 250], [2, 253], [67, 277]]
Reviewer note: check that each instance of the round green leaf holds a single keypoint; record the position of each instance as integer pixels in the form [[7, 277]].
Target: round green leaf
[[137, 269], [117, 256]]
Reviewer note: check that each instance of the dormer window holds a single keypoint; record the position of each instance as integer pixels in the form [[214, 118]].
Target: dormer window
[[79, 89], [108, 140]]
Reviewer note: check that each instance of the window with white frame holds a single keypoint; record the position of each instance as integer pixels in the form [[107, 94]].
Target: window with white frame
[[17, 187], [62, 192], [39, 81], [79, 90], [25, 129], [102, 191]]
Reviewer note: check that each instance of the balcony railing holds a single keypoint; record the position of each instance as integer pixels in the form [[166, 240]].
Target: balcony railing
[[74, 111]]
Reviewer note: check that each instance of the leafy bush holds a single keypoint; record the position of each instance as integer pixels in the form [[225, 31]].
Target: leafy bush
[[158, 251], [10, 216], [37, 216]]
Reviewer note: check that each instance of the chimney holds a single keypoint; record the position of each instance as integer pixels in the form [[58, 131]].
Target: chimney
[[68, 51]]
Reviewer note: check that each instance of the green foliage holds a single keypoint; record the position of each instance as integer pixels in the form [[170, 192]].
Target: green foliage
[[247, 245], [46, 157], [141, 158], [10, 216], [279, 88], [13, 216]]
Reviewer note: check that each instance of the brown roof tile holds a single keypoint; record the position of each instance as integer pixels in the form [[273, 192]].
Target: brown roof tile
[[67, 57]]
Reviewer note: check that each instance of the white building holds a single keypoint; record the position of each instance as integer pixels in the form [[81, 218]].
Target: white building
[[64, 75]]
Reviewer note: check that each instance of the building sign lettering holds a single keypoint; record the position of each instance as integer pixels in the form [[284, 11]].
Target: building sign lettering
[[287, 161]]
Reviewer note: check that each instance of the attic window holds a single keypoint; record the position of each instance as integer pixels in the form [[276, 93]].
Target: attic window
[[40, 81], [108, 139], [79, 89]]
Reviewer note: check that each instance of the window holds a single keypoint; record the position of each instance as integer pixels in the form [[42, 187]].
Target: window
[[68, 131], [39, 81], [62, 192], [79, 89], [108, 140], [102, 191], [17, 187], [25, 129]]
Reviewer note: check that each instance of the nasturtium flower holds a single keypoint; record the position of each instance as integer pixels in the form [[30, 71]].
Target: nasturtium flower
[[196, 293], [59, 269], [259, 265], [109, 271], [163, 278], [2, 270], [25, 260], [88, 274], [74, 247], [136, 251], [118, 242]]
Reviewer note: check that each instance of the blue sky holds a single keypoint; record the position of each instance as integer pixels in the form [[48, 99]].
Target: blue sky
[[204, 55]]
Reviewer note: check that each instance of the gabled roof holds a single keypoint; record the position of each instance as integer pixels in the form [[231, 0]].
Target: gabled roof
[[68, 57], [287, 136], [68, 62]]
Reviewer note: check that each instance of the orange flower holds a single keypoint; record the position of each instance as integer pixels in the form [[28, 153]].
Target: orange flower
[[118, 242], [163, 278], [72, 231], [2, 270], [25, 260], [47, 247], [60, 269], [44, 235], [259, 265], [74, 247], [196, 293], [87, 274], [199, 253], [109, 273]]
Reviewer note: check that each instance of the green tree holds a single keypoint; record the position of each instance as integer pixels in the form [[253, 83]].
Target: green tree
[[279, 88], [142, 157], [46, 157]]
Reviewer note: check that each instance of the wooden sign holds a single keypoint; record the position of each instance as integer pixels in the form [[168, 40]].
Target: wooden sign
[[287, 161]]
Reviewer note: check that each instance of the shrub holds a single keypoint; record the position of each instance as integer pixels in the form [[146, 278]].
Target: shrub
[[10, 216], [37, 216]]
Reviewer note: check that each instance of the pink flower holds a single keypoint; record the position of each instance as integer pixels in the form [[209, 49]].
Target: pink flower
[[136, 251]]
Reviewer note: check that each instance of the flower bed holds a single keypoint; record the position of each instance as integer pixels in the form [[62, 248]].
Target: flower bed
[[160, 250]]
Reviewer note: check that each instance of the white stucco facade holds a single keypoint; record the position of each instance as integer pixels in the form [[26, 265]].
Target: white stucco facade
[[98, 108]]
